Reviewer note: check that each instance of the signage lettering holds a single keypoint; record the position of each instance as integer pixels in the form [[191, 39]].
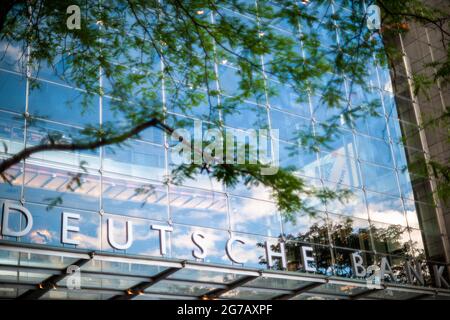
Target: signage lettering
[[275, 252], [6, 230], [128, 235], [229, 249], [66, 227]]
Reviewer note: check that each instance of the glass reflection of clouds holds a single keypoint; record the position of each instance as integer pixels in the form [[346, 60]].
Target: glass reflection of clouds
[[339, 169], [254, 216], [214, 241], [199, 208], [354, 205], [251, 253], [386, 209], [130, 184], [50, 185], [134, 197]]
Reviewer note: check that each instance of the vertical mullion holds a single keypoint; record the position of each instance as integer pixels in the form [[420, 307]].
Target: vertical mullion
[[358, 165], [267, 107], [162, 65], [221, 121], [391, 148]]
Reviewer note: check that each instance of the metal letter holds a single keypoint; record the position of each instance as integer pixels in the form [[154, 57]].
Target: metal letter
[[198, 240], [162, 237], [385, 268], [65, 227], [439, 279], [128, 235], [272, 254], [414, 273], [6, 231], [229, 248], [306, 259], [357, 264]]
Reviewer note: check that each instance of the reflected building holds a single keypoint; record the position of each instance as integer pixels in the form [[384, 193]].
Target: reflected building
[[383, 218]]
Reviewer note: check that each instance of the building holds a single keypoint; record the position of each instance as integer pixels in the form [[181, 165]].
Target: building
[[100, 239], [422, 46]]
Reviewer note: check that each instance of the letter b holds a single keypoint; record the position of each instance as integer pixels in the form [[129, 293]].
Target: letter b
[[357, 264]]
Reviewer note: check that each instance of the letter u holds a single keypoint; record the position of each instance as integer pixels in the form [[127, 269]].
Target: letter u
[[128, 234]]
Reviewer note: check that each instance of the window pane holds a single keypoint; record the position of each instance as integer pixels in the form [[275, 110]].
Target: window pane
[[254, 216], [198, 207], [339, 169], [374, 150], [214, 244], [349, 232], [307, 228], [135, 198], [39, 132], [12, 92], [391, 238], [69, 188], [137, 159], [387, 209], [379, 179], [63, 104]]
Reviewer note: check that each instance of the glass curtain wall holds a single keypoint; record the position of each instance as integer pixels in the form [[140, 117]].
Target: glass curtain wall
[[380, 219]]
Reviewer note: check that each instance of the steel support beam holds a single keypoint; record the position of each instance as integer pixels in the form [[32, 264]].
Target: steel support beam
[[50, 283], [140, 287], [298, 291], [422, 296], [216, 293], [364, 294], [56, 274]]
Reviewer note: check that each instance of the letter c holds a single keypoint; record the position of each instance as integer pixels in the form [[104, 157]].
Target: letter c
[[229, 248]]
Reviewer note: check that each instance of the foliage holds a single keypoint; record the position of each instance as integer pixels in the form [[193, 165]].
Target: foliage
[[137, 46]]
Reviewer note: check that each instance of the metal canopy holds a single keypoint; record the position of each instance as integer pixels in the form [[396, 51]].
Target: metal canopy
[[139, 288], [30, 271], [214, 294], [299, 291], [49, 283]]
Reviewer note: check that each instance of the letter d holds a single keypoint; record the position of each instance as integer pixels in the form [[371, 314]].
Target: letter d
[[6, 231]]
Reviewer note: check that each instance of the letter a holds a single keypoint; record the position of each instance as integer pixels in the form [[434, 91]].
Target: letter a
[[373, 17], [74, 20]]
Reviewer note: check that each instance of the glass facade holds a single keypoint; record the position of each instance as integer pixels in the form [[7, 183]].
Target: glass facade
[[381, 219]]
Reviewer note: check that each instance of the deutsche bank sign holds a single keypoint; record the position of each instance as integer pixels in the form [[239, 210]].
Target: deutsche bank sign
[[275, 252]]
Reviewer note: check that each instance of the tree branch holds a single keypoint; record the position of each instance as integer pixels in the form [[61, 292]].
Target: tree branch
[[5, 8], [26, 152]]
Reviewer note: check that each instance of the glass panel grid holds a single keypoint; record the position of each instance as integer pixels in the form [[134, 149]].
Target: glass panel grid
[[357, 162]]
